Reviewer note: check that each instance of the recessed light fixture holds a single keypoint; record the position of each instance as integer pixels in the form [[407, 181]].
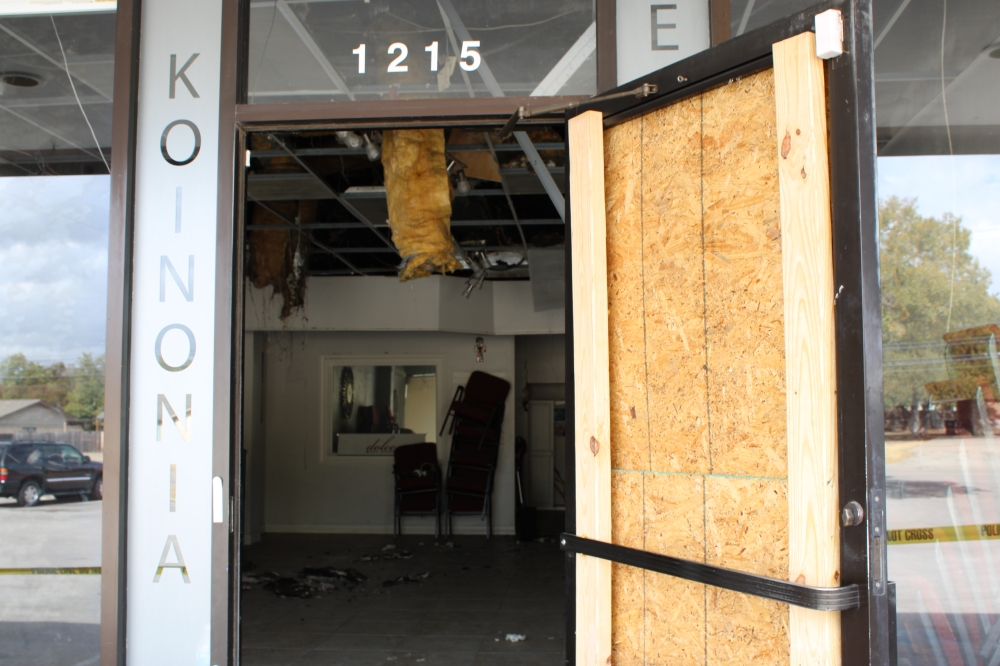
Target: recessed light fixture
[[21, 79]]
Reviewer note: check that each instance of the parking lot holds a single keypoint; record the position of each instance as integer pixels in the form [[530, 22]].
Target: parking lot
[[50, 619]]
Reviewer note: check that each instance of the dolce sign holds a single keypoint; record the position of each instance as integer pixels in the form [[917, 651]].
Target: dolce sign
[[173, 498]]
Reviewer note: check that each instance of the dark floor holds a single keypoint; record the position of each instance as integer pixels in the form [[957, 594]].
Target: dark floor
[[478, 591]]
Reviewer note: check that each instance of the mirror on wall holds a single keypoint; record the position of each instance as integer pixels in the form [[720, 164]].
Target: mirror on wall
[[375, 408]]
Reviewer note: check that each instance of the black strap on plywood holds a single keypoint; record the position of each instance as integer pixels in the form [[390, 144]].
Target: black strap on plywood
[[814, 598]]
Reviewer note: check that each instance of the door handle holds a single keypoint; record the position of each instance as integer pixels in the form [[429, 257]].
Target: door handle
[[217, 503]]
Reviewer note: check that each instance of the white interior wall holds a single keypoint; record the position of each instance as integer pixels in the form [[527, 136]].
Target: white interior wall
[[433, 303], [306, 491]]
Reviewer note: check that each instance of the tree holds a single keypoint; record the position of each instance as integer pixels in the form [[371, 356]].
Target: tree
[[78, 389], [24, 379], [86, 399], [926, 270]]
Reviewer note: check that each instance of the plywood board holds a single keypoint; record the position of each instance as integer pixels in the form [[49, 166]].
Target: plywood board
[[674, 288], [743, 287], [706, 226], [627, 583], [626, 307], [675, 609], [592, 401], [807, 269], [746, 529]]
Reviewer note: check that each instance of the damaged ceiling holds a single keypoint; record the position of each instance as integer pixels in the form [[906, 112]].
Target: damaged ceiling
[[318, 204]]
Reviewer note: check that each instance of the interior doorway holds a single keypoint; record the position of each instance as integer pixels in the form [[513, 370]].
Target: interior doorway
[[403, 419]]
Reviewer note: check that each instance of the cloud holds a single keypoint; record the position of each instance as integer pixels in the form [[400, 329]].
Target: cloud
[[53, 265], [966, 185]]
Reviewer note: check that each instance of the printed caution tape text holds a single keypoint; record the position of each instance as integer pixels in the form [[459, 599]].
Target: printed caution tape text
[[941, 534], [48, 571]]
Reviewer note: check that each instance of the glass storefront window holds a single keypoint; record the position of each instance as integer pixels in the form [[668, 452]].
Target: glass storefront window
[[937, 67], [56, 80], [318, 50], [52, 123]]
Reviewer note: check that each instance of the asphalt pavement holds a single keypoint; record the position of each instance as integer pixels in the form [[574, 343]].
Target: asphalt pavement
[[50, 619]]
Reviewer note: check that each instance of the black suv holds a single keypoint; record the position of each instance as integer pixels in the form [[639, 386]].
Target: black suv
[[29, 470]]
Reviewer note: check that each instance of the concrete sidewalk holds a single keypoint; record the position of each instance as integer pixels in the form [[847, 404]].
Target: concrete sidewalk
[[50, 619]]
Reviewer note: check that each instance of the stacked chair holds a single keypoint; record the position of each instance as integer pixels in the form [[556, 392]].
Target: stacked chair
[[475, 418], [418, 483]]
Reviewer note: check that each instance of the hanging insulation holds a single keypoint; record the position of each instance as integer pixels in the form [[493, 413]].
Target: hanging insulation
[[478, 164], [277, 257], [418, 193]]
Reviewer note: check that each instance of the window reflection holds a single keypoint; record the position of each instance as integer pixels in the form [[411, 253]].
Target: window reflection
[[52, 300], [315, 50]]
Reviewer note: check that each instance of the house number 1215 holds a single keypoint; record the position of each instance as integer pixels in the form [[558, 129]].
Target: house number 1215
[[469, 59]]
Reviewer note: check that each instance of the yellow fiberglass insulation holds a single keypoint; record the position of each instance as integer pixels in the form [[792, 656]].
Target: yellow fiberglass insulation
[[418, 192]]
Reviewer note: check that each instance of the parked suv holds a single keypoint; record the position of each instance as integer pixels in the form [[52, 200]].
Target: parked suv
[[29, 470]]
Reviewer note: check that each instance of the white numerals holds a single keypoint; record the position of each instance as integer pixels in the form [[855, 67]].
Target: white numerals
[[394, 66], [474, 58], [470, 59], [360, 52], [433, 50]]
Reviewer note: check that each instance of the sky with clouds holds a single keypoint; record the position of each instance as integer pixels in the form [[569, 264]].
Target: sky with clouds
[[53, 265], [966, 185], [54, 249]]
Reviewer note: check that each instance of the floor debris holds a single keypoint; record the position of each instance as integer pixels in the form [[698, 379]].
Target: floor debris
[[289, 587], [401, 555], [411, 578], [516, 638], [310, 581], [347, 575]]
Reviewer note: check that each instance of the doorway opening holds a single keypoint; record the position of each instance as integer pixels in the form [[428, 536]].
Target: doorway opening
[[404, 382]]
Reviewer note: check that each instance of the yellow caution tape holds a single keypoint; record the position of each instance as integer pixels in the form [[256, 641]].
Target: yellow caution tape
[[29, 571], [941, 534]]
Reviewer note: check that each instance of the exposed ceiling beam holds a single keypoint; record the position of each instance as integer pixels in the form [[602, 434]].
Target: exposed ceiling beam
[[314, 49], [454, 223], [459, 27], [451, 148], [450, 31], [522, 138], [569, 64], [542, 171], [288, 224], [334, 194]]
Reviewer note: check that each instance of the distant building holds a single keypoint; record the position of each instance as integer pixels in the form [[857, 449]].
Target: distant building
[[21, 418]]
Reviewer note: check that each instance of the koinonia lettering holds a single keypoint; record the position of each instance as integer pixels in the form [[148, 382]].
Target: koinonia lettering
[[171, 489]]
